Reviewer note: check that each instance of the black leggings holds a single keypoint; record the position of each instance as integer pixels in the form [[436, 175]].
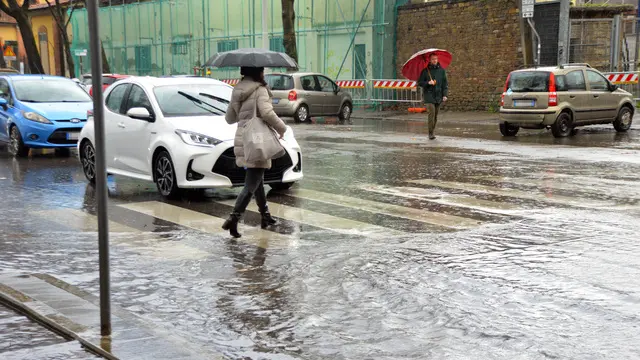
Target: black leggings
[[253, 186]]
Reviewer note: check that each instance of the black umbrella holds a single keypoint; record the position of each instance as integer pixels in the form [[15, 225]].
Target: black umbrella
[[253, 58]]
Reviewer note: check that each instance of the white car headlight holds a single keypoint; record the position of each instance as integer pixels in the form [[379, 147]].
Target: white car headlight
[[36, 117], [288, 135], [191, 138]]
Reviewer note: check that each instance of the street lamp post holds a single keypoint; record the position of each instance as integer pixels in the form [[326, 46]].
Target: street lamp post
[[265, 35], [101, 172]]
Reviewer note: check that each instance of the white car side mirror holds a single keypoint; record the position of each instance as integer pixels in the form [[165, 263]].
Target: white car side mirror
[[140, 113]]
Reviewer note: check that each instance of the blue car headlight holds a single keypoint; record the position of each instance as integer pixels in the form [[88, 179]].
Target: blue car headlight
[[36, 117], [196, 139]]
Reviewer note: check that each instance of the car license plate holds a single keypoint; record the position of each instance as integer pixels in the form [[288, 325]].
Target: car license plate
[[276, 101], [524, 103], [73, 136]]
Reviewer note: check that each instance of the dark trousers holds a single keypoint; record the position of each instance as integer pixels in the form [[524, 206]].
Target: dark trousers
[[253, 186], [433, 116]]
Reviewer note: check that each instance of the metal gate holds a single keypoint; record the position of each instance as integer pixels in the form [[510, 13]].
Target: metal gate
[[592, 42]]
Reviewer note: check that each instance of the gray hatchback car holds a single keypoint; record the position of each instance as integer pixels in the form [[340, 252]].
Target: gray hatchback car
[[303, 95], [563, 98]]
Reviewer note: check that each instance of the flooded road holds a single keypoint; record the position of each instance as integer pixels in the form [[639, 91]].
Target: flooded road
[[21, 338], [392, 247]]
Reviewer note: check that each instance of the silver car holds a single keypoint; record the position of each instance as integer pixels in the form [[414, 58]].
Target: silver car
[[563, 98], [303, 95]]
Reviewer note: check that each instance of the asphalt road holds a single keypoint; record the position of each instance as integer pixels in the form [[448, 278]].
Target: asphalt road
[[467, 247]]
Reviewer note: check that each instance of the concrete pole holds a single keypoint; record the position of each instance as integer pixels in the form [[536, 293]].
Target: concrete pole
[[563, 32], [265, 31]]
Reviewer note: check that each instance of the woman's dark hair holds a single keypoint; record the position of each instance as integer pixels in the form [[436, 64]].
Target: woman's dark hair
[[254, 73]]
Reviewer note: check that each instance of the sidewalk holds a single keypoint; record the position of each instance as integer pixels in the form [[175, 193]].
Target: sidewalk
[[22, 338], [475, 117], [76, 314]]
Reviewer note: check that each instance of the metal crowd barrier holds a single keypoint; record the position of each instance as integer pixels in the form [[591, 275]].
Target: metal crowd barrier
[[393, 91], [375, 92], [359, 90], [627, 81]]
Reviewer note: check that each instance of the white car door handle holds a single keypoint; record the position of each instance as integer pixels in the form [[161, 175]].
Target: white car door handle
[[121, 125]]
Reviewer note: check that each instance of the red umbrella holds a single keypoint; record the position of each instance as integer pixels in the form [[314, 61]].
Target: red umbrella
[[414, 66]]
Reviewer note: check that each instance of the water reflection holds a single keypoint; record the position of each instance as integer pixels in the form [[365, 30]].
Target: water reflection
[[256, 303]]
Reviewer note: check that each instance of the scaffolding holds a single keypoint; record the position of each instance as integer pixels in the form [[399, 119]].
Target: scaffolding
[[345, 39]]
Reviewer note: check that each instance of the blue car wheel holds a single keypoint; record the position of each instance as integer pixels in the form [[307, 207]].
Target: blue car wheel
[[16, 145]]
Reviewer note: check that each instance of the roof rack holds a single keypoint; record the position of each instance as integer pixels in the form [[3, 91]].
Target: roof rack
[[575, 64]]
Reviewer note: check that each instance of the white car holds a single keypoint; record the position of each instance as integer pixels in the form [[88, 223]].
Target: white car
[[172, 131]]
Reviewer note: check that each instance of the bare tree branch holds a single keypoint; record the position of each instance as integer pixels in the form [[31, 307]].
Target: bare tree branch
[[21, 14], [4, 7], [73, 8], [13, 5], [54, 13]]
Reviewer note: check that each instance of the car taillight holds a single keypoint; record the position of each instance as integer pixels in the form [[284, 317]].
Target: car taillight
[[506, 87], [553, 95], [293, 96], [89, 113]]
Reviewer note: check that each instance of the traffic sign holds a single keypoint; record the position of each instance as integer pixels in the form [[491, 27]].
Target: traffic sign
[[9, 54], [527, 8], [80, 52]]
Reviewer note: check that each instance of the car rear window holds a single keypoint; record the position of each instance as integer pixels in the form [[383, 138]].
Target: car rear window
[[529, 81], [279, 82]]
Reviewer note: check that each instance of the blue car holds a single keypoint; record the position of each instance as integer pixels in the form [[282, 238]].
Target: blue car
[[41, 111]]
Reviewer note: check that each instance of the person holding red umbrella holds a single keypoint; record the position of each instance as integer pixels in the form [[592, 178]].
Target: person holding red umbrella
[[432, 78]]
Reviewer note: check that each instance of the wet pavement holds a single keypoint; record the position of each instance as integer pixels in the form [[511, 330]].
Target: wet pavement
[[21, 338], [393, 246]]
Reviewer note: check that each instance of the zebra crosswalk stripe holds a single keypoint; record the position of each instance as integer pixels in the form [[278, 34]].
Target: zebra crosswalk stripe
[[442, 198], [144, 242], [207, 223], [425, 216], [514, 193], [323, 221]]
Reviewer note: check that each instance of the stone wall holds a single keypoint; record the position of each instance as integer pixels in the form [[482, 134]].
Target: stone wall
[[483, 36]]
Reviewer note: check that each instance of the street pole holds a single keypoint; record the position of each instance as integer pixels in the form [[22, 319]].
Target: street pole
[[101, 172], [526, 39], [635, 66], [616, 24], [563, 32], [265, 35], [538, 42]]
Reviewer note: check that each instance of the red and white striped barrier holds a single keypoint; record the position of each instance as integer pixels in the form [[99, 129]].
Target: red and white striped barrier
[[393, 84], [623, 78], [232, 82], [351, 84]]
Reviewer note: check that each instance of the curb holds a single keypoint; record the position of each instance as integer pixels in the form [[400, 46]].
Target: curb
[[73, 326], [54, 326]]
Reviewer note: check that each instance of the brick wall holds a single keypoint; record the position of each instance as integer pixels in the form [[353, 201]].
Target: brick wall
[[482, 35]]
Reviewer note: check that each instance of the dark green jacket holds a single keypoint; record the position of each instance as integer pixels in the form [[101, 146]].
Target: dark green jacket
[[434, 94]]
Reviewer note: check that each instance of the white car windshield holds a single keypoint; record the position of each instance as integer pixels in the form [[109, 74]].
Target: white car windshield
[[192, 99], [49, 91]]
